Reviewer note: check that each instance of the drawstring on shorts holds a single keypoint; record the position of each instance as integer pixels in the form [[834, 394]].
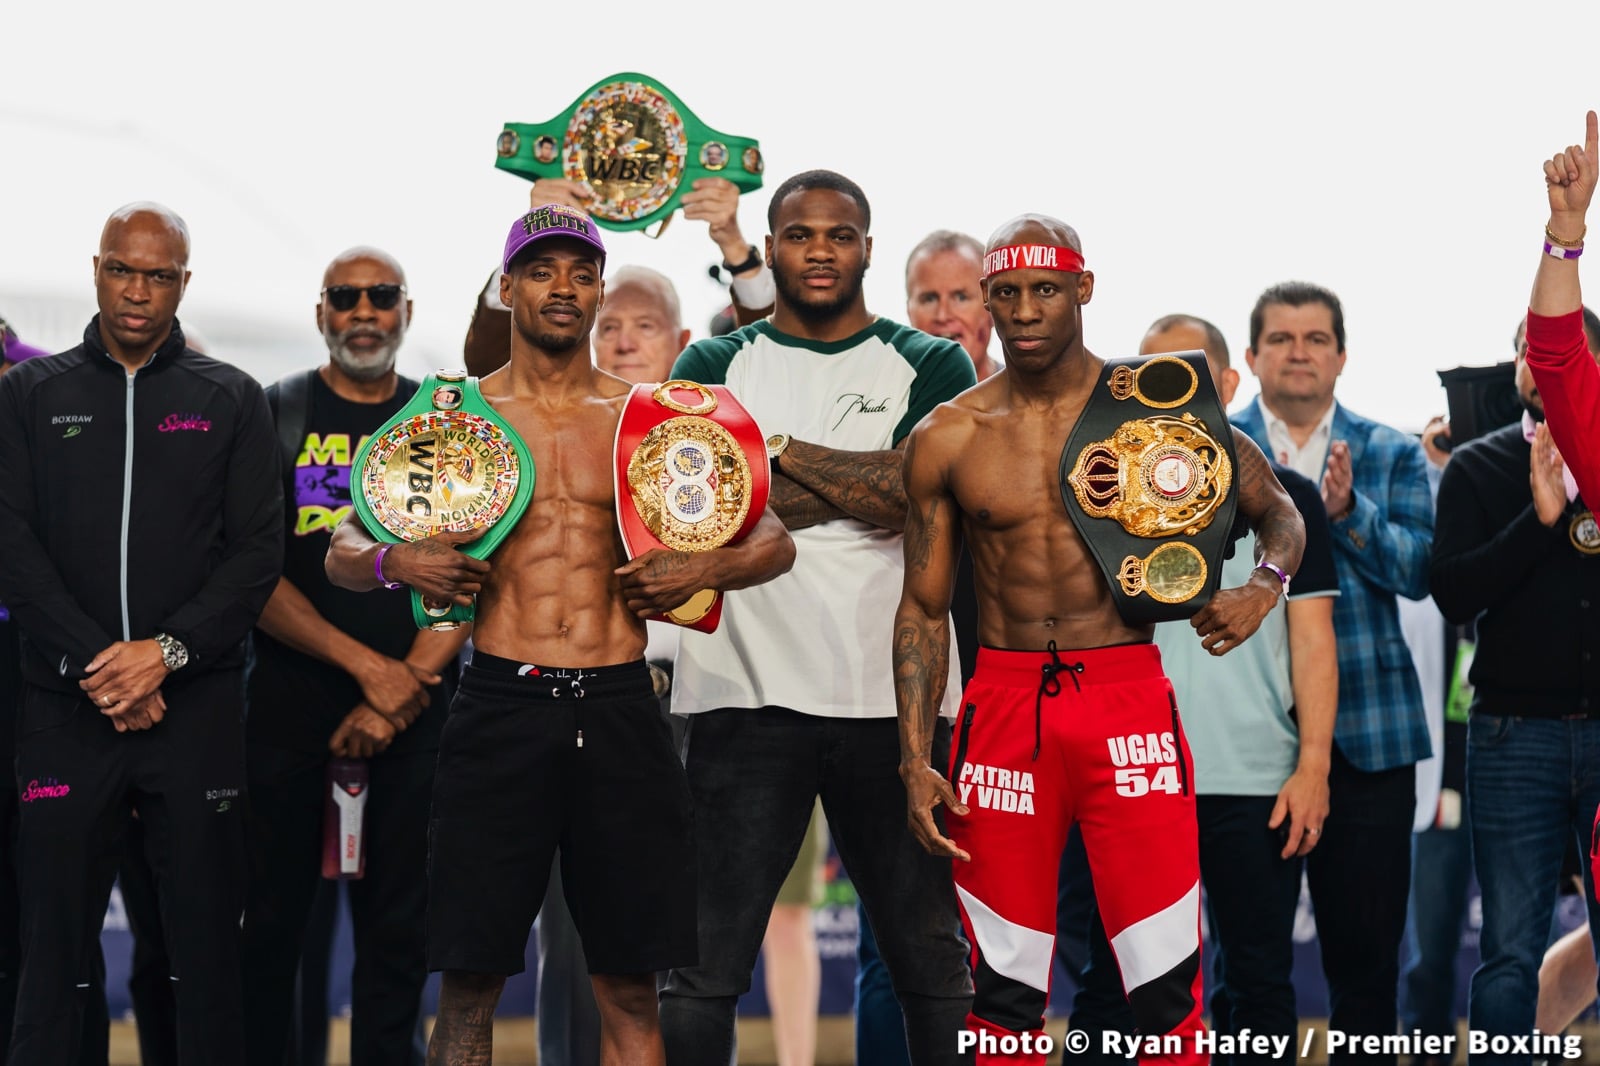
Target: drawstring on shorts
[[1050, 686]]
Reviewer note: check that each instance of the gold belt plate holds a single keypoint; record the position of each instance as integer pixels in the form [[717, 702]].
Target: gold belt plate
[[1173, 573], [440, 472], [1156, 476], [690, 482], [627, 140]]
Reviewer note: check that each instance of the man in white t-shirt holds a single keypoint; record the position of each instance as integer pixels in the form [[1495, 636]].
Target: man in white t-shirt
[[793, 696]]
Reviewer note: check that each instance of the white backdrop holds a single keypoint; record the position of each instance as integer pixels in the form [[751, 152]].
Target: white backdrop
[[1389, 151]]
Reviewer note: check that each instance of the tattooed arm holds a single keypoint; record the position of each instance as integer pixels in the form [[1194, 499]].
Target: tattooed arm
[[1234, 614], [864, 485], [798, 506], [463, 1032], [1280, 531], [922, 628], [432, 565]]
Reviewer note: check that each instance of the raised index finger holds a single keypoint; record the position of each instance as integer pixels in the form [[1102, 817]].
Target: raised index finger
[[1591, 137]]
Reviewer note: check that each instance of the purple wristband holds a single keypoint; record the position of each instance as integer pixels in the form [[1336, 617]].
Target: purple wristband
[[1277, 571], [377, 568], [1559, 252]]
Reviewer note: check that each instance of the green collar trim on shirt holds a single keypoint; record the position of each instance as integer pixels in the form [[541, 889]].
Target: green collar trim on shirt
[[881, 328]]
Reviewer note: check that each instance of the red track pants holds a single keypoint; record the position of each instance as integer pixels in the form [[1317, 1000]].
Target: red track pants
[[1043, 739]]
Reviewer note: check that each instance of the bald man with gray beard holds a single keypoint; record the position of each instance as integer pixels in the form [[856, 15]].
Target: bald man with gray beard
[[338, 674]]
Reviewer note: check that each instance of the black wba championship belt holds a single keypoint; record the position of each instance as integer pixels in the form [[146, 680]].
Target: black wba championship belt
[[1147, 478], [444, 463]]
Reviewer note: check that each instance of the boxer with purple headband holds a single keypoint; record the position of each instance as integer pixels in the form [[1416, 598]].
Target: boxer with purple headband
[[551, 220]]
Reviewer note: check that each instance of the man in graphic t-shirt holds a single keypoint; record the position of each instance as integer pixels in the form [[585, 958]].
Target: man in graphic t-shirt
[[341, 674], [793, 696]]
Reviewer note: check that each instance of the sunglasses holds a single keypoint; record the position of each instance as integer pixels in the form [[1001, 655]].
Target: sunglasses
[[382, 297]]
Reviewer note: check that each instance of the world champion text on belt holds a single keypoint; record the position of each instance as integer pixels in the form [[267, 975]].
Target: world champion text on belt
[[1148, 483], [636, 144], [691, 475], [444, 463]]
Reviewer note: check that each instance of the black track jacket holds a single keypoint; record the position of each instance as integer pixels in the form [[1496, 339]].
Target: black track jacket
[[132, 505]]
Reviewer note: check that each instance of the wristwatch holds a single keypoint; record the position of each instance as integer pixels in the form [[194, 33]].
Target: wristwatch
[[1277, 571], [777, 444], [173, 653], [751, 261]]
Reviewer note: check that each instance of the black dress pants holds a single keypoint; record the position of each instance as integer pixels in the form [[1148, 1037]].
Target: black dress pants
[[388, 906]]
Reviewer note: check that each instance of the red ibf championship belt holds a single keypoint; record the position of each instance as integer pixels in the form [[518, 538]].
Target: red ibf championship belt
[[692, 475]]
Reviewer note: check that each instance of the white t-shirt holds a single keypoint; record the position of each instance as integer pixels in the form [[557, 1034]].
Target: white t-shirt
[[818, 639]]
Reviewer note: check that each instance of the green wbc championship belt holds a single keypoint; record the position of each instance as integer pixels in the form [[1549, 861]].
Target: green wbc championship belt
[[445, 463], [1147, 478], [636, 144]]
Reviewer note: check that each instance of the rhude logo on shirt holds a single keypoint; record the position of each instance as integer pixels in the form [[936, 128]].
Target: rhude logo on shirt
[[852, 403]]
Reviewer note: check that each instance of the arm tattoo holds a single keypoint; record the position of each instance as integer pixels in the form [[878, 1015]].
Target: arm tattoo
[[662, 565], [1280, 531], [798, 506], [864, 485], [1253, 469], [463, 1033], [921, 668], [921, 535], [1281, 537]]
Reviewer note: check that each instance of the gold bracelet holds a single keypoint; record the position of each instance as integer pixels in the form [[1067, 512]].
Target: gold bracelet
[[1553, 239]]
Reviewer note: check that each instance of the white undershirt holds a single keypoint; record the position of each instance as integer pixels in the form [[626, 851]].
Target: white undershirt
[[1310, 459]]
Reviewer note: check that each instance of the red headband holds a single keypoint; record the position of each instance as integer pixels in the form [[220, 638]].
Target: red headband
[[1032, 257]]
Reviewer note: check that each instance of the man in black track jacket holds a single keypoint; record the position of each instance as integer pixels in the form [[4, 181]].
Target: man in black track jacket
[[141, 533]]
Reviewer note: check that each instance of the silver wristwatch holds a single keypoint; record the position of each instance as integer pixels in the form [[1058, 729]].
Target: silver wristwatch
[[173, 653]]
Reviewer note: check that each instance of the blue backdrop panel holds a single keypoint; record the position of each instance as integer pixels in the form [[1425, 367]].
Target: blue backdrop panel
[[836, 942]]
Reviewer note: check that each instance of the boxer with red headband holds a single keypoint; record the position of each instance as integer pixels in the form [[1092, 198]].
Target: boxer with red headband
[[1032, 257], [1046, 736]]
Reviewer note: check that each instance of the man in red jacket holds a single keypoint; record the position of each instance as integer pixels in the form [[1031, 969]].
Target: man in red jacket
[[1566, 375]]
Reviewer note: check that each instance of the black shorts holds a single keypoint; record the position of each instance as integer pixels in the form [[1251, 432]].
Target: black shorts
[[532, 759]]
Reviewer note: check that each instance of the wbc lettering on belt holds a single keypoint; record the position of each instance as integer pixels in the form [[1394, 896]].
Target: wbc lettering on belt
[[444, 463], [444, 471]]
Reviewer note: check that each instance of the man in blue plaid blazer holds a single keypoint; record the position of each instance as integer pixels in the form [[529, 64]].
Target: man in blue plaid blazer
[[1375, 485]]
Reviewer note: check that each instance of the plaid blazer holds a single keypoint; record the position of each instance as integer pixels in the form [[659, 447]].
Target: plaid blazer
[[1381, 548]]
